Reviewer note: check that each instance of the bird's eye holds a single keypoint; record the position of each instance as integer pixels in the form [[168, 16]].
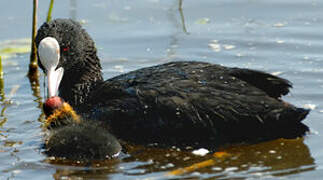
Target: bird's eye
[[66, 49]]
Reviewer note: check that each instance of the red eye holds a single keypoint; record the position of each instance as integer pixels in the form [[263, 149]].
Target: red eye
[[66, 49]]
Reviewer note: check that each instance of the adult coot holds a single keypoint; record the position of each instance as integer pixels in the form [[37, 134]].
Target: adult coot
[[177, 103], [73, 138]]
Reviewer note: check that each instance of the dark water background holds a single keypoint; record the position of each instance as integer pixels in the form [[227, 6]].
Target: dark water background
[[280, 37]]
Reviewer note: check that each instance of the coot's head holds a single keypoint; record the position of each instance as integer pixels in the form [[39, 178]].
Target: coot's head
[[73, 138], [63, 46], [73, 42]]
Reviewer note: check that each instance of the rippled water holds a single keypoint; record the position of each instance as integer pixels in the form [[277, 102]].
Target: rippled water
[[281, 37]]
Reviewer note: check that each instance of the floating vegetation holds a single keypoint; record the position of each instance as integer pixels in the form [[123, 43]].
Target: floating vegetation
[[9, 143], [11, 48], [203, 21]]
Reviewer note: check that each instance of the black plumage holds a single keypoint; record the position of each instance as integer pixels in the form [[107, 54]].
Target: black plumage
[[84, 141], [177, 103], [74, 138]]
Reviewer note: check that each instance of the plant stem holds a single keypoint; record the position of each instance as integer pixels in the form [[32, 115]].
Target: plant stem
[[33, 55], [180, 9], [1, 71], [50, 9]]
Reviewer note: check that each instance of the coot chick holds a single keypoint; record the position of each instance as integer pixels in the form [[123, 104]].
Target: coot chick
[[73, 138], [177, 103]]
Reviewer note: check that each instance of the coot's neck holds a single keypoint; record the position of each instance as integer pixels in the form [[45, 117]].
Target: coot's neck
[[79, 81]]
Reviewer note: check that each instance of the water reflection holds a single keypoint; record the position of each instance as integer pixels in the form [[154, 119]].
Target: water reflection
[[5, 103], [35, 87], [102, 169], [73, 9], [273, 158], [179, 27]]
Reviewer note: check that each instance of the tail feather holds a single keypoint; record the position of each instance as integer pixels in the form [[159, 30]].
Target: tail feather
[[274, 86], [302, 113]]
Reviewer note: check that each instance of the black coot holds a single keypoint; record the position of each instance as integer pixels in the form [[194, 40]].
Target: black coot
[[177, 103]]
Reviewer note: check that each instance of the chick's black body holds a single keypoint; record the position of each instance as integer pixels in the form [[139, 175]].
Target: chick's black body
[[82, 141], [189, 103], [74, 138]]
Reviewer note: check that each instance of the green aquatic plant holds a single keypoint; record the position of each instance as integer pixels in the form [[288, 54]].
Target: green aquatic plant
[[50, 9], [14, 50], [11, 51], [11, 48]]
